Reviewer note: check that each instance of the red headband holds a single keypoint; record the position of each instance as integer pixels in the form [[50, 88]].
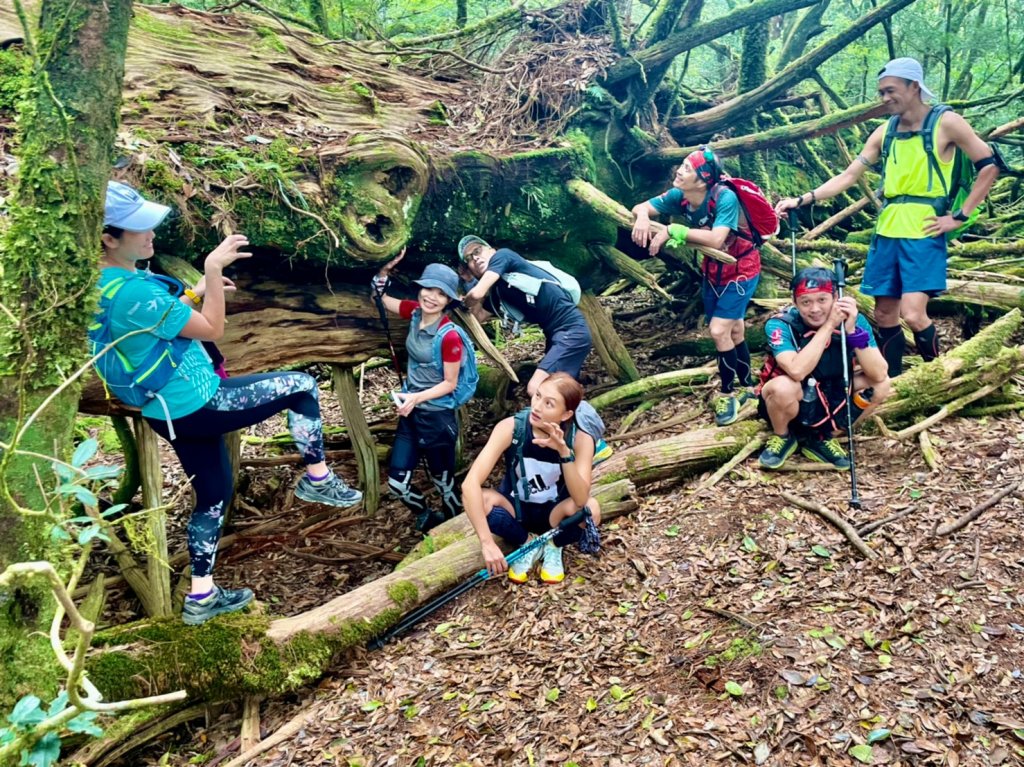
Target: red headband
[[812, 285], [698, 161]]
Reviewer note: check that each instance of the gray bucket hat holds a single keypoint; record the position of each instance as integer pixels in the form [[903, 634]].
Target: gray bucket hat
[[470, 239], [441, 277]]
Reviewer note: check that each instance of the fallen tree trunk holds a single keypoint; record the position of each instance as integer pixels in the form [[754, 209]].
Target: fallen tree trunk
[[251, 654], [690, 37], [781, 135], [982, 361], [720, 117]]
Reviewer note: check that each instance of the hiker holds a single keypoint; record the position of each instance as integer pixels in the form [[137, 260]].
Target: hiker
[[193, 408], [547, 478], [540, 299], [715, 218], [428, 405], [906, 262], [801, 393]]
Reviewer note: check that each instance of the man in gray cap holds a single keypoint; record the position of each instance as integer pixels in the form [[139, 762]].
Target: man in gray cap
[[508, 286], [906, 263]]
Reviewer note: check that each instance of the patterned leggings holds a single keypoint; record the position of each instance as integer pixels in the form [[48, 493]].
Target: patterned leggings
[[239, 402]]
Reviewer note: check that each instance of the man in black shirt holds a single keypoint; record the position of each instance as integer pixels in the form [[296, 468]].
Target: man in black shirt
[[511, 287]]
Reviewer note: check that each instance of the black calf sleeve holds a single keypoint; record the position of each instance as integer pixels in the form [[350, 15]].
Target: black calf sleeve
[[927, 343], [743, 363], [891, 343]]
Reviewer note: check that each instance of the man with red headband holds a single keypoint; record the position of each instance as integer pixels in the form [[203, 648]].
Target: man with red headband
[[906, 263], [714, 218], [802, 393]]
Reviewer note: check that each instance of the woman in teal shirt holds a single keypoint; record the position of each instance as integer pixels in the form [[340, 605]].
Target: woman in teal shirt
[[195, 408]]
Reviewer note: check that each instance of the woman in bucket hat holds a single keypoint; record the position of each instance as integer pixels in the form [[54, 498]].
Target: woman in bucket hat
[[428, 403], [193, 407]]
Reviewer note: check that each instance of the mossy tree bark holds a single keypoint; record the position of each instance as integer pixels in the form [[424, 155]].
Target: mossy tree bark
[[67, 124], [753, 72]]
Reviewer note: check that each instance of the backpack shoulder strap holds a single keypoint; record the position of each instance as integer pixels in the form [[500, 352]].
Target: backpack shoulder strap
[[439, 341], [514, 459], [890, 135], [928, 140]]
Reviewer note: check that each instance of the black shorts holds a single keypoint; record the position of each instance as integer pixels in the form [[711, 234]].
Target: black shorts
[[567, 349], [813, 420]]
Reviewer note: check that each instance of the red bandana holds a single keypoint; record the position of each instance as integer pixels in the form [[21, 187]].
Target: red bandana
[[812, 285]]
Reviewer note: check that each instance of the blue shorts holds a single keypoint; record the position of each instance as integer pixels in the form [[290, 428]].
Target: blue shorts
[[729, 301], [896, 265], [566, 350]]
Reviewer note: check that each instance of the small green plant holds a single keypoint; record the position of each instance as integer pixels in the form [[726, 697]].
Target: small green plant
[[29, 713]]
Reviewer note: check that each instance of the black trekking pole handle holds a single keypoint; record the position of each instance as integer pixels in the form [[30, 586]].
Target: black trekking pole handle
[[378, 298], [791, 218], [839, 267], [421, 612]]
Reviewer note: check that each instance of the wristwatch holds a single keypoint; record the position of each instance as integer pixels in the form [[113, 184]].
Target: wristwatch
[[959, 215], [571, 458]]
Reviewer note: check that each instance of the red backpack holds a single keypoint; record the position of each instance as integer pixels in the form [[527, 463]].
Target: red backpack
[[760, 214]]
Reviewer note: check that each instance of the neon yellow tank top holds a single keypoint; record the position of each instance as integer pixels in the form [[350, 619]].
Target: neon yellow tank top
[[906, 172]]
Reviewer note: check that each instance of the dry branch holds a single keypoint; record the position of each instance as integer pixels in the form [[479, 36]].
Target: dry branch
[[835, 520], [737, 459], [977, 511], [842, 215]]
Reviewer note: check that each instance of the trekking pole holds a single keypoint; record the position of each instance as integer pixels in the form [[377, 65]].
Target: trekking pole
[[480, 576], [792, 237], [378, 298], [839, 266]]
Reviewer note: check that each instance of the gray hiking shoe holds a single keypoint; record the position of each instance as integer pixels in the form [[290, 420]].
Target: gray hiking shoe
[[198, 611], [331, 492]]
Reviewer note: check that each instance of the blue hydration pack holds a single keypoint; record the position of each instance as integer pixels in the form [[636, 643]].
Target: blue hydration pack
[[132, 385], [469, 376]]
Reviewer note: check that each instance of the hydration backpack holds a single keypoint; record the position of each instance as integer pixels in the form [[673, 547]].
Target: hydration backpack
[[531, 285], [962, 172], [132, 385], [760, 215], [469, 376], [584, 419]]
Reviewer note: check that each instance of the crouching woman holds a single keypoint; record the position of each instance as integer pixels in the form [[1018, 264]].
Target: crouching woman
[[547, 479]]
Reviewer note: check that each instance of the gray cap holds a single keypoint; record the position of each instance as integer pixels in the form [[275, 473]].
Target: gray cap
[[465, 242], [441, 277], [908, 69]]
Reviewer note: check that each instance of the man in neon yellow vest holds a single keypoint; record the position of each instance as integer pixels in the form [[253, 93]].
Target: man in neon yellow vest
[[906, 263]]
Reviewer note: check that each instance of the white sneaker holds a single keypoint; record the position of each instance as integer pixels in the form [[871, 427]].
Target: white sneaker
[[551, 569], [520, 569]]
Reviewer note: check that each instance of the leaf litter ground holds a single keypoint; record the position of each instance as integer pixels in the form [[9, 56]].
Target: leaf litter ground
[[716, 626]]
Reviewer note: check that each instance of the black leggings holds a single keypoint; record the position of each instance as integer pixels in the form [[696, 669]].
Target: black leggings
[[430, 433], [199, 444]]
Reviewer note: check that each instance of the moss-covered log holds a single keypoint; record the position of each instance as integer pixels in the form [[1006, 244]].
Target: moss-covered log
[[661, 384], [679, 456], [784, 134], [984, 359], [607, 343], [350, 192], [251, 654]]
